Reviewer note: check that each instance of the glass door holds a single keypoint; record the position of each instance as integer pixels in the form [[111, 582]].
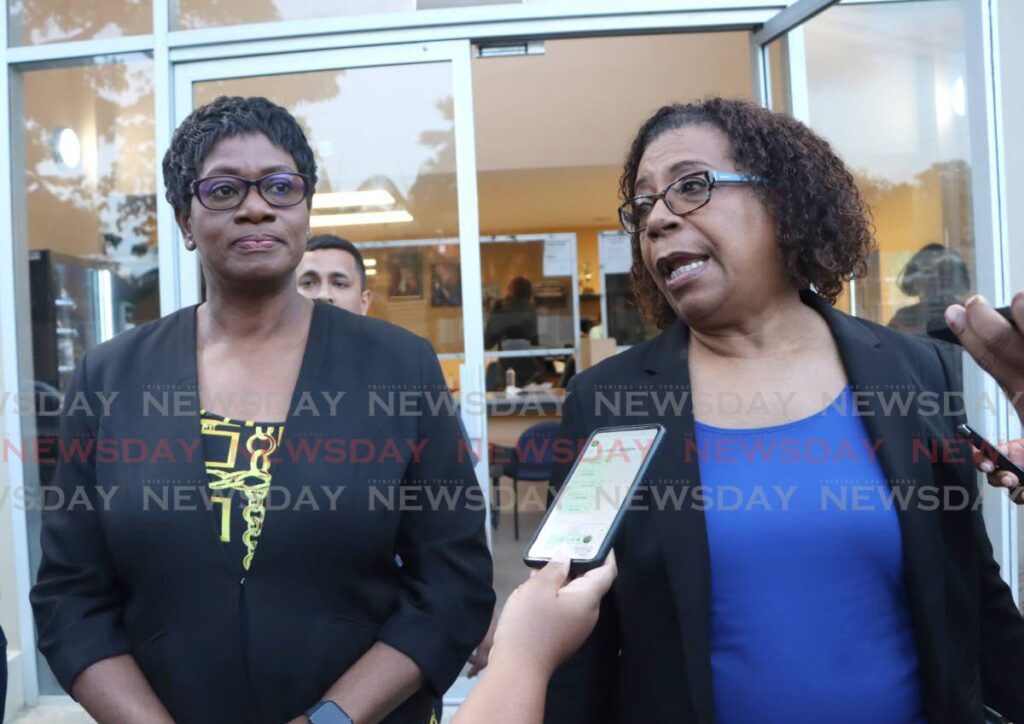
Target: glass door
[[392, 131]]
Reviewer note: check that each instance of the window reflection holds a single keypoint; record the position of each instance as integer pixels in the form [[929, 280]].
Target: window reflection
[[418, 285], [528, 292], [531, 314], [36, 22], [84, 182], [87, 179], [193, 14], [911, 162], [391, 191]]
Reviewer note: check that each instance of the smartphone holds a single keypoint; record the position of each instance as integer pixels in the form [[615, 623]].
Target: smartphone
[[581, 523], [989, 451], [944, 333]]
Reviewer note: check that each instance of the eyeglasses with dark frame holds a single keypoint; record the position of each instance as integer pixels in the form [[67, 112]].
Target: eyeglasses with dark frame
[[683, 196], [224, 192]]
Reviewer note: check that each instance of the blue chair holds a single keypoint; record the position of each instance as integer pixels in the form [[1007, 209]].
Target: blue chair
[[532, 460]]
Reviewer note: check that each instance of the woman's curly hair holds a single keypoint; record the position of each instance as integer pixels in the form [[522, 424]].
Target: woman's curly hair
[[225, 117], [822, 224]]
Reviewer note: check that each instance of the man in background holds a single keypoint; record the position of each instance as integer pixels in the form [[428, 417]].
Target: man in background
[[332, 270]]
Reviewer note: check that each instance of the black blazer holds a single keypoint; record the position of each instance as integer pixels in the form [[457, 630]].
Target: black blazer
[[3, 673], [649, 659], [385, 474]]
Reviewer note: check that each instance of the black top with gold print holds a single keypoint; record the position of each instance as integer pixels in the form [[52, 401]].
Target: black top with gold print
[[238, 456]]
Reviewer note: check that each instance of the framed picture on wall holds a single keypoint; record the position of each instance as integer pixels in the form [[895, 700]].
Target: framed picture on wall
[[445, 285], [406, 275]]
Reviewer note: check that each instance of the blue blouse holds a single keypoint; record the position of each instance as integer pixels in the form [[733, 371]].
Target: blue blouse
[[809, 620]]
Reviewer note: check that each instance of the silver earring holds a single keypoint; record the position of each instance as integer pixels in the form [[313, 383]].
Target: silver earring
[[309, 233], [190, 243]]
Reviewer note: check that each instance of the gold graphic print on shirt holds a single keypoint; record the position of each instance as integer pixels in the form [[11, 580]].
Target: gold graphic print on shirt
[[225, 471]]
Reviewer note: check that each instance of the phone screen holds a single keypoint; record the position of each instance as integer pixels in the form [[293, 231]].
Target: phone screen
[[589, 501]]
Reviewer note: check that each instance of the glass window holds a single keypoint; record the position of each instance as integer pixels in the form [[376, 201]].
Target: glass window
[[549, 161], [193, 14], [391, 191], [910, 155], [623, 322], [418, 285], [35, 22], [84, 186], [528, 307]]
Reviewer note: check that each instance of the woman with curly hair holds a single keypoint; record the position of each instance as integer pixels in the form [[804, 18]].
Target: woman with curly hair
[[804, 549]]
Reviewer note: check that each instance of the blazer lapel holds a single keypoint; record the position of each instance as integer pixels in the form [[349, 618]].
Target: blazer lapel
[[330, 402], [674, 475], [878, 376]]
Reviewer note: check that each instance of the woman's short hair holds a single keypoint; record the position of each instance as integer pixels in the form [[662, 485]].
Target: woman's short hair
[[821, 221], [520, 288], [225, 117], [935, 268]]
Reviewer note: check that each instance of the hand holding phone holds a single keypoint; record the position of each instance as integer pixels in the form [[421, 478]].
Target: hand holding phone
[[548, 617], [995, 339], [1001, 471], [581, 523], [945, 334]]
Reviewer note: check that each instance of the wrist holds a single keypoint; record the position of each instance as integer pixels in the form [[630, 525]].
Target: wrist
[[526, 666]]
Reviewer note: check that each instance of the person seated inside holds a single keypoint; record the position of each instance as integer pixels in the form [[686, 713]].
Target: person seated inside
[[514, 317], [938, 277], [332, 270], [512, 325]]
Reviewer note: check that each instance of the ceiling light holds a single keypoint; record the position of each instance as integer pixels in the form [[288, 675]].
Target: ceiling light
[[370, 262], [67, 148], [343, 199], [370, 217]]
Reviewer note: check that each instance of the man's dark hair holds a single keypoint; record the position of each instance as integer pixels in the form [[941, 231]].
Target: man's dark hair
[[822, 223], [225, 117], [330, 241]]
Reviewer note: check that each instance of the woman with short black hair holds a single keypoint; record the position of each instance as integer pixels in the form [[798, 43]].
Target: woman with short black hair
[[253, 561]]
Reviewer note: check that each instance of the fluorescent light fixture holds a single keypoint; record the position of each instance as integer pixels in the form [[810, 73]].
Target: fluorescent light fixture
[[369, 262], [371, 272], [319, 221], [344, 199]]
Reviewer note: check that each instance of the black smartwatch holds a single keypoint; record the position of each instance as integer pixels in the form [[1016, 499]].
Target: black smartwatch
[[327, 712]]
